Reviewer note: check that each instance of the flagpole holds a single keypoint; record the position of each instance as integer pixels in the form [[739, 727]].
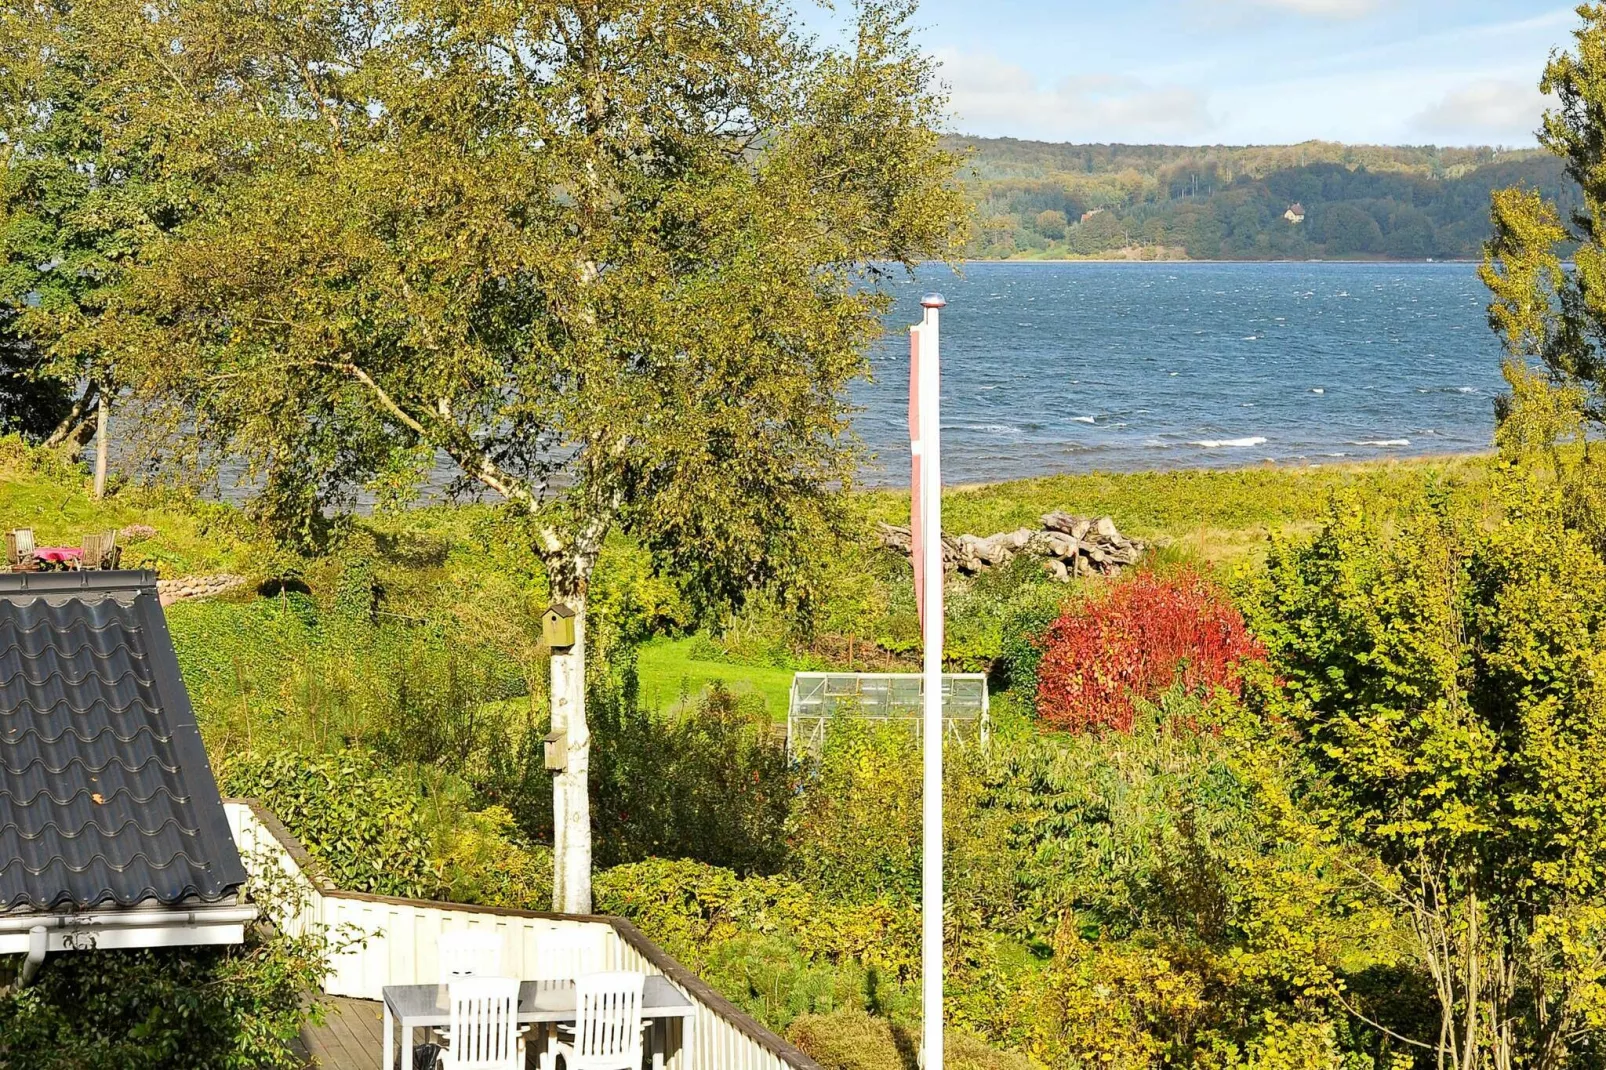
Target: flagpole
[[930, 492]]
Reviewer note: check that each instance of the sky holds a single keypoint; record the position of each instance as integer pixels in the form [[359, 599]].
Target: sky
[[1446, 72]]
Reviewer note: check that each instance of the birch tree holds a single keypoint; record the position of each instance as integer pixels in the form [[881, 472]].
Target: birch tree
[[616, 262]]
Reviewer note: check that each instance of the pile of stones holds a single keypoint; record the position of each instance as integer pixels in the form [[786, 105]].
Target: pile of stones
[[1069, 546], [191, 587]]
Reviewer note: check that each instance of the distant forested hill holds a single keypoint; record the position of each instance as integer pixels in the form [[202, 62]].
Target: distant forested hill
[[1315, 200]]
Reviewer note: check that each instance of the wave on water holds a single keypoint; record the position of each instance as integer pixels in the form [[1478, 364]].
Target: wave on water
[[1084, 419], [990, 429], [1318, 390], [1382, 442], [1229, 443]]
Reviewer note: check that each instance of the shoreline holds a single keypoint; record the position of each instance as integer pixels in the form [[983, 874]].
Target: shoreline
[[1289, 466], [1134, 260]]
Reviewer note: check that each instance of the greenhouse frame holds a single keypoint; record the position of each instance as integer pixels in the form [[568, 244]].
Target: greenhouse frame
[[885, 697]]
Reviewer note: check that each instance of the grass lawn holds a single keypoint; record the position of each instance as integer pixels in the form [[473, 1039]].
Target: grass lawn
[[669, 674], [1217, 514], [54, 500]]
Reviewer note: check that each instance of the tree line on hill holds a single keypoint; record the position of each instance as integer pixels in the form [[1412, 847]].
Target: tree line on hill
[[1312, 201]]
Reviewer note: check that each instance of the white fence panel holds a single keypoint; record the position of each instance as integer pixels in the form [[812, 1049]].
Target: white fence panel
[[398, 946]]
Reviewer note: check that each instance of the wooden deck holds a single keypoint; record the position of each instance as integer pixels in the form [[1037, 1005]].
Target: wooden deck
[[349, 1039]]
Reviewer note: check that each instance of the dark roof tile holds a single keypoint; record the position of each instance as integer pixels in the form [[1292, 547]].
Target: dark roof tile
[[106, 795]]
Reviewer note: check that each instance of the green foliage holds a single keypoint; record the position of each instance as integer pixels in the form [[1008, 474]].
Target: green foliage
[[1447, 679], [694, 910], [483, 857], [194, 1008], [555, 314], [32, 402], [1034, 200], [854, 1040], [295, 671], [1543, 276], [355, 816], [710, 782], [856, 834]]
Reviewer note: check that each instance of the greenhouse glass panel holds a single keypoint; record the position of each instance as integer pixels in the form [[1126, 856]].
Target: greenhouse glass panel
[[817, 697]]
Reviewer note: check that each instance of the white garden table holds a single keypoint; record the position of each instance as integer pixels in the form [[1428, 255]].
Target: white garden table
[[417, 1007]]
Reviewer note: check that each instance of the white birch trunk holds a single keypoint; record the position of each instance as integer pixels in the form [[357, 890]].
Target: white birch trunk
[[103, 419], [571, 801]]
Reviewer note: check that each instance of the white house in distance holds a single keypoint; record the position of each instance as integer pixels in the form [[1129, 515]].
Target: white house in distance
[[112, 834], [1295, 213]]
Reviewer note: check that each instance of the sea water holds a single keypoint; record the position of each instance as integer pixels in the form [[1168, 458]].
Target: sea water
[[1074, 367]]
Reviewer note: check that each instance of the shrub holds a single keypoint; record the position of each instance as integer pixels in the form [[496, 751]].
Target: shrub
[[357, 818], [712, 783], [1140, 639], [693, 910], [188, 1008], [856, 829], [853, 1040]]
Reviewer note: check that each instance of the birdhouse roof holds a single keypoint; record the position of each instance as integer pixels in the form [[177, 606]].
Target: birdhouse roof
[[558, 610]]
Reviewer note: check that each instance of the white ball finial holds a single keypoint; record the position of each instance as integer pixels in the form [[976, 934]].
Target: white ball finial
[[933, 301]]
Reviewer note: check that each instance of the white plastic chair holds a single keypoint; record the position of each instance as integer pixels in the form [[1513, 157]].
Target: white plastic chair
[[484, 1019], [607, 1028], [569, 953], [566, 954], [466, 953], [469, 953]]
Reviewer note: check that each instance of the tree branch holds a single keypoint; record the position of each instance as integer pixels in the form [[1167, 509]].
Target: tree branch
[[473, 462], [72, 425]]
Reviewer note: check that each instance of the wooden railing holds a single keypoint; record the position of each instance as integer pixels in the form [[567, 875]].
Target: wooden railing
[[398, 939]]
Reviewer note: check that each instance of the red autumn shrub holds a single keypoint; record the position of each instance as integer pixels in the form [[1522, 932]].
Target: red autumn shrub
[[1136, 641]]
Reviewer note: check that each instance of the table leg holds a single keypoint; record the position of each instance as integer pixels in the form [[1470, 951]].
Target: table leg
[[389, 1033]]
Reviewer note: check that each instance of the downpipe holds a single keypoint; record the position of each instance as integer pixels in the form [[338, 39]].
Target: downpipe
[[38, 945]]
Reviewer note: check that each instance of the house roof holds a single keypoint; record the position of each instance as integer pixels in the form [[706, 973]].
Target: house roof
[[106, 796]]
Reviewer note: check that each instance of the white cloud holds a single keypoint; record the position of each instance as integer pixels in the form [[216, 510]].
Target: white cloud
[[992, 96], [1486, 110]]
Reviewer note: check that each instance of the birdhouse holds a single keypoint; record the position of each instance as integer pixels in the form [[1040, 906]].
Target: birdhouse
[[557, 751], [557, 626]]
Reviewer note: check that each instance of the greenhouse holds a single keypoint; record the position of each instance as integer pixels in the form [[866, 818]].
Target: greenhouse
[[890, 697]]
